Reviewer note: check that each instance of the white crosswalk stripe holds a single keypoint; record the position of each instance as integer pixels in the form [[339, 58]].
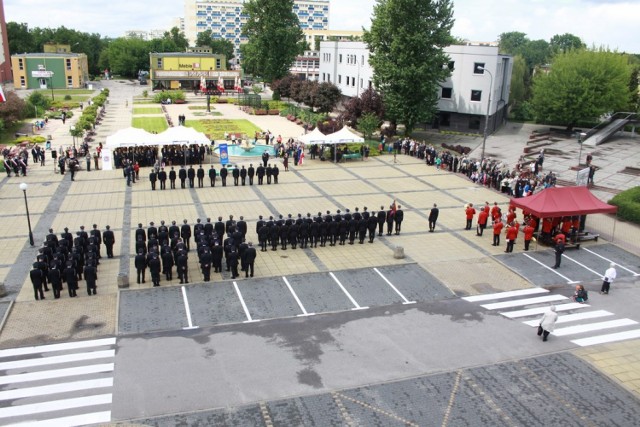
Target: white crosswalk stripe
[[64, 384], [579, 318]]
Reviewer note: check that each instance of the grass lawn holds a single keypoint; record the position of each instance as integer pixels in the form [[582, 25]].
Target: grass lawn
[[150, 124], [147, 110], [215, 129]]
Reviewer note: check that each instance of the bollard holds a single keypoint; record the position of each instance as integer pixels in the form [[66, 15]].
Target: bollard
[[3, 290], [398, 252], [123, 281]]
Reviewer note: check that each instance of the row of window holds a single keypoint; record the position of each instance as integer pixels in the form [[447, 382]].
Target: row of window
[[349, 81], [447, 93], [21, 64], [43, 82]]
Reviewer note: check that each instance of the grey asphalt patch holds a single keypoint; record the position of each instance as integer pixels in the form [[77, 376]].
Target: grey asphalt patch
[[151, 310], [367, 287], [268, 298], [513, 393], [212, 304], [416, 283], [319, 293]]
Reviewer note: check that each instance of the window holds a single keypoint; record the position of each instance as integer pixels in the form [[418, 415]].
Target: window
[[69, 81], [340, 59], [20, 64], [478, 68], [324, 77], [339, 78], [474, 123], [353, 82], [447, 92], [68, 63], [451, 65], [22, 82], [159, 62], [348, 80], [476, 95], [218, 64], [361, 82], [362, 59]]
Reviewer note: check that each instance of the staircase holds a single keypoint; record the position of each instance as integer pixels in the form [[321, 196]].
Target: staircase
[[606, 129]]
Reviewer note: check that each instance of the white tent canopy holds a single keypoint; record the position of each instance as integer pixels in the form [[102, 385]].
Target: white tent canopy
[[181, 135], [130, 137], [313, 137], [343, 136]]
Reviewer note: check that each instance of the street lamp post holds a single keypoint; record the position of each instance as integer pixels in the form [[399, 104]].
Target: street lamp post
[[24, 187], [581, 136], [486, 117], [73, 133]]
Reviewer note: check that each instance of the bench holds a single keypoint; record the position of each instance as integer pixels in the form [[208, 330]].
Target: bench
[[351, 156]]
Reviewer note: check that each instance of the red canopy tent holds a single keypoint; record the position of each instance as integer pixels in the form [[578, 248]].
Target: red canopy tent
[[563, 201]]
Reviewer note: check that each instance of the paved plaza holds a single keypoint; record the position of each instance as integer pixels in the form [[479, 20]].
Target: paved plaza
[[328, 335]]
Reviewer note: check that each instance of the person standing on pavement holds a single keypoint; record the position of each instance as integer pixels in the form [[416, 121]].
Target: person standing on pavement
[[200, 175], [497, 229], [172, 178], [109, 239], [528, 235], [153, 178], [469, 212], [609, 277], [433, 218], [90, 276], [547, 323], [483, 217], [37, 280], [559, 249], [140, 262], [249, 256], [397, 219]]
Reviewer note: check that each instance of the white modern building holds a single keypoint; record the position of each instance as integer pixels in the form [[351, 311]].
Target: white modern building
[[306, 66], [476, 70], [225, 18]]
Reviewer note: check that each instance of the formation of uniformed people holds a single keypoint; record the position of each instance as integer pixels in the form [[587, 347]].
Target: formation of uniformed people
[[67, 259], [241, 175]]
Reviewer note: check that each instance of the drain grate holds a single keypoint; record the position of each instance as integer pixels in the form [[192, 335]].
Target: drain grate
[[630, 171]]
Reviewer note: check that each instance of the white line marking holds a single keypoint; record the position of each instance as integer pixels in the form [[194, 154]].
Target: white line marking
[[569, 281], [56, 373], [56, 347], [573, 317], [506, 294], [580, 329], [606, 259], [603, 339], [353, 301], [187, 309], [67, 358], [72, 421], [244, 306], [406, 301], [55, 405], [539, 310], [582, 265], [304, 311], [56, 388], [525, 301]]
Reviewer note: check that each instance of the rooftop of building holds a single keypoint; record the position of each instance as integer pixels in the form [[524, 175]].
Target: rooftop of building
[[49, 55]]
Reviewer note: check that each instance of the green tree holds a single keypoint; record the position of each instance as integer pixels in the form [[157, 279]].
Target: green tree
[[407, 41], [178, 38], [20, 38], [274, 37], [328, 97], [565, 42], [14, 109], [536, 53], [125, 56], [512, 42], [581, 86], [367, 124]]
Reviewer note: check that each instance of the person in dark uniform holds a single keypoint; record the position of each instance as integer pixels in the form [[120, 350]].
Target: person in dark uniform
[[260, 173], [223, 175], [152, 230], [153, 178], [183, 268], [167, 262], [263, 237], [185, 233], [269, 173], [233, 262], [397, 219], [141, 266], [109, 239], [559, 250], [274, 234], [191, 174], [55, 278], [154, 269], [172, 178], [265, 159], [236, 176], [69, 275], [382, 216], [97, 235], [182, 174], [200, 175], [251, 172], [212, 175], [90, 276], [353, 227], [433, 217], [243, 175], [372, 224], [216, 257], [275, 171], [206, 260], [389, 221], [362, 230], [249, 256], [162, 177], [37, 280]]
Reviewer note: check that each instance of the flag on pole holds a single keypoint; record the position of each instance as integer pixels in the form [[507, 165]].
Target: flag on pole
[[2, 97]]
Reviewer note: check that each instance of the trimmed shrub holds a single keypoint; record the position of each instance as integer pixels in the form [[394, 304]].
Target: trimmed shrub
[[174, 95], [628, 203]]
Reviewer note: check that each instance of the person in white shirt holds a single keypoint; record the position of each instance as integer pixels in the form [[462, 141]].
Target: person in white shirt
[[609, 276]]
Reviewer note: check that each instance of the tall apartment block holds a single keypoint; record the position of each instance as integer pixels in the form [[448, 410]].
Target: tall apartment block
[[225, 18]]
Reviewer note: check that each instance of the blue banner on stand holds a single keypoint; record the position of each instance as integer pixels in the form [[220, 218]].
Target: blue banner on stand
[[224, 154]]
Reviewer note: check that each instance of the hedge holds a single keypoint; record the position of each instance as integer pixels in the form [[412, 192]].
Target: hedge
[[628, 203]]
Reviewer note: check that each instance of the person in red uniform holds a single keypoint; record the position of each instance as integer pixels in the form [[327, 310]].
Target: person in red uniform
[[483, 217], [528, 235], [497, 229], [495, 211], [511, 215], [566, 225], [547, 226], [511, 233], [470, 212], [562, 237]]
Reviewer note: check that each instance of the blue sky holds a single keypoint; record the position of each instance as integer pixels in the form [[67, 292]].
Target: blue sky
[[598, 22]]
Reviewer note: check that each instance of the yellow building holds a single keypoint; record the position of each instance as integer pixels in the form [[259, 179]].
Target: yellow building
[[187, 70], [50, 70]]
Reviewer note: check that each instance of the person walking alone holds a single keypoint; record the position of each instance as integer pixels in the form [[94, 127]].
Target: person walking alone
[[547, 323], [609, 277]]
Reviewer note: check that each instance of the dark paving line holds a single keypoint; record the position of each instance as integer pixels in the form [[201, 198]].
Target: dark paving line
[[20, 269], [125, 236], [197, 203]]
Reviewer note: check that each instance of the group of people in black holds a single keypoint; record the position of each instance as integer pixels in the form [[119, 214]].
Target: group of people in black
[[240, 176], [335, 229], [66, 259], [163, 247]]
